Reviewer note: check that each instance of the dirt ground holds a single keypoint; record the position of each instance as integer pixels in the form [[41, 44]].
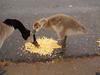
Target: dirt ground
[[70, 66]]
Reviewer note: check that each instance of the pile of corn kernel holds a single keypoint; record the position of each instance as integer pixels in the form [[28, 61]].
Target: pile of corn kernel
[[47, 46]]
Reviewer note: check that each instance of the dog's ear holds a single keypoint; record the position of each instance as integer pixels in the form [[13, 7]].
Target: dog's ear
[[43, 21], [36, 25]]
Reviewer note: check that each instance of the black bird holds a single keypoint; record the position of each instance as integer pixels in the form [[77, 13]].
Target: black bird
[[8, 26]]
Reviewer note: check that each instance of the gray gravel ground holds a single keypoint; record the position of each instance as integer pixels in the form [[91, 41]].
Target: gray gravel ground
[[27, 11]]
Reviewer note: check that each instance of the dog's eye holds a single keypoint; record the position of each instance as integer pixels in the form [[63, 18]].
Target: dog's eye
[[36, 27]]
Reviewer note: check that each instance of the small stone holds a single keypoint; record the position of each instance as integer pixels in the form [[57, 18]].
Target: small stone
[[70, 6]]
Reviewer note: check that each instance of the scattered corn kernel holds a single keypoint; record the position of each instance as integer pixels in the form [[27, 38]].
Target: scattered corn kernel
[[47, 46]]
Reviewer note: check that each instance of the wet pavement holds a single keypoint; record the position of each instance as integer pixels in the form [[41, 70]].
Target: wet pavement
[[27, 11]]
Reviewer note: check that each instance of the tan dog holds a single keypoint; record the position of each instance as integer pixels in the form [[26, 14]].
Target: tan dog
[[62, 24]]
